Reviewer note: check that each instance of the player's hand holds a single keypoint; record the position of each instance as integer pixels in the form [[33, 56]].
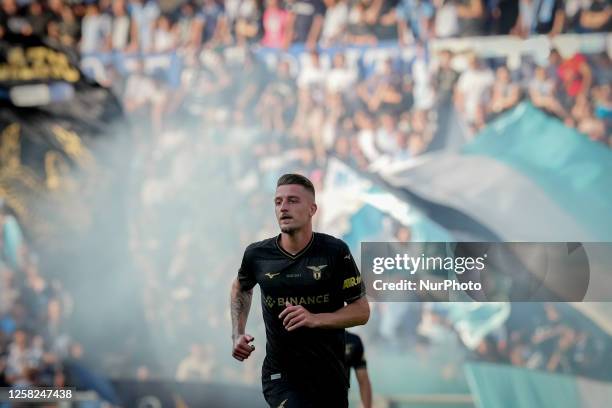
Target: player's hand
[[296, 316], [242, 348]]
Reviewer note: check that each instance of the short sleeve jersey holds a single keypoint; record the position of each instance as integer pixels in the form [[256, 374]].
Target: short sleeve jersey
[[353, 353], [322, 278]]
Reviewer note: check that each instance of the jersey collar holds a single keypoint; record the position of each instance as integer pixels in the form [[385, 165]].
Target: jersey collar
[[299, 253]]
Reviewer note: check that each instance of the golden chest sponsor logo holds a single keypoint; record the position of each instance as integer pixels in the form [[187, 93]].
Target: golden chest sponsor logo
[[350, 282], [297, 300], [316, 271], [269, 301]]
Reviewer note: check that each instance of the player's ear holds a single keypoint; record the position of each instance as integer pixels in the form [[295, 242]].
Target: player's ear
[[313, 209]]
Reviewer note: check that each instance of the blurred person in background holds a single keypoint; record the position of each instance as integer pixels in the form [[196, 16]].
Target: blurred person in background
[[37, 18], [212, 25], [247, 27], [596, 16], [165, 37], [472, 17], [541, 90], [143, 14], [414, 20], [186, 27], [334, 24], [355, 359], [548, 17], [506, 93], [473, 92], [13, 248], [120, 26], [381, 91], [446, 20], [278, 102], [198, 365], [275, 26], [302, 303], [358, 30], [444, 78], [305, 21], [96, 29]]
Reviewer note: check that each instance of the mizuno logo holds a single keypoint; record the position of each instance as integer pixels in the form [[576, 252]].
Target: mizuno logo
[[316, 271], [282, 404], [347, 256], [272, 275]]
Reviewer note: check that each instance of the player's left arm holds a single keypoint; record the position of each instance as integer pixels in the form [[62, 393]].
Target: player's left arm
[[356, 311], [365, 387]]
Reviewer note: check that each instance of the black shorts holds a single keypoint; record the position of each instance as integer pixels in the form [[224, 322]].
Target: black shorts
[[282, 394]]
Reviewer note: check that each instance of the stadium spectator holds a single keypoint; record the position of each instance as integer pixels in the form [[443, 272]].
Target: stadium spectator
[[548, 17], [120, 26], [197, 366], [305, 21], [444, 78], [143, 14], [541, 90], [12, 244], [247, 26], [275, 26], [472, 17], [211, 27], [96, 28], [278, 102], [69, 28], [576, 75], [596, 17], [473, 92], [381, 91], [359, 31], [164, 36], [506, 93], [341, 78], [446, 21], [503, 16], [186, 27], [336, 20], [415, 20], [37, 18]]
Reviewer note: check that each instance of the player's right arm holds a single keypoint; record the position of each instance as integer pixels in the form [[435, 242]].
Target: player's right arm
[[240, 304], [241, 296]]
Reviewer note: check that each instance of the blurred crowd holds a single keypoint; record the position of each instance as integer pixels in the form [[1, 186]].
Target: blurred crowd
[[327, 105], [234, 120], [157, 26], [36, 347], [538, 336]]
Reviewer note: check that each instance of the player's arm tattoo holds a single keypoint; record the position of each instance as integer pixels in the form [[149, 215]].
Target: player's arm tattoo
[[240, 305]]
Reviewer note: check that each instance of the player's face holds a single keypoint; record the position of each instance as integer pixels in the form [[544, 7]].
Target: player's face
[[294, 207]]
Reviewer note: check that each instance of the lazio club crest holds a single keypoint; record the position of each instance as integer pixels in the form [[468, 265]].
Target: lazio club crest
[[316, 271]]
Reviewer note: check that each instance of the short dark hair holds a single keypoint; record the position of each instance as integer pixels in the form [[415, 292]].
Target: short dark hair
[[291, 178]]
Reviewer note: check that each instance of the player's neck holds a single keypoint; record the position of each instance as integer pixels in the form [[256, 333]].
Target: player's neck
[[295, 242]]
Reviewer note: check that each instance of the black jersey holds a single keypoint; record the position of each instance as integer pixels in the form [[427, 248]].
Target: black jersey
[[321, 277], [354, 354]]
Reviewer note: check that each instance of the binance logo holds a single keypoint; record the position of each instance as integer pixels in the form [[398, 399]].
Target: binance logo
[[303, 300], [272, 275], [350, 282], [269, 301], [316, 271]]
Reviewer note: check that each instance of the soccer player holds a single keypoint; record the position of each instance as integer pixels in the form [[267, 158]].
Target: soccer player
[[311, 290], [355, 358]]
